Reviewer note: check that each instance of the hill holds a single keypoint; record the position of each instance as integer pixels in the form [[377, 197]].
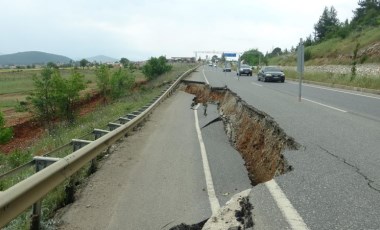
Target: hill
[[101, 59], [32, 58], [338, 50]]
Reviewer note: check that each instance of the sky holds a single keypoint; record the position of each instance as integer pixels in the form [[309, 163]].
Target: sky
[[140, 29]]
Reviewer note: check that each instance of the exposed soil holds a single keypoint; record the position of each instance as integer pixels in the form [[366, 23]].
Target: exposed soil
[[27, 130], [255, 134]]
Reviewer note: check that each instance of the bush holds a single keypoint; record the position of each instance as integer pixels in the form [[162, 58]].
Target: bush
[[6, 134], [55, 95], [307, 54], [155, 67], [121, 81]]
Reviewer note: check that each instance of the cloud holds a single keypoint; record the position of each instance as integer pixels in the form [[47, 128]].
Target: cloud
[[139, 29]]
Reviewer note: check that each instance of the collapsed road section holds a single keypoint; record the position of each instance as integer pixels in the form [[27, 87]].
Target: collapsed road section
[[255, 134]]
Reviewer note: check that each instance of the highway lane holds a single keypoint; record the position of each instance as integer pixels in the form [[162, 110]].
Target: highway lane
[[362, 104], [156, 179], [335, 183]]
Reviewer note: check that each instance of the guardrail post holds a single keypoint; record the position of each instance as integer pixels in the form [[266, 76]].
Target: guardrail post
[[131, 116], [99, 133], [113, 126], [78, 144], [41, 163]]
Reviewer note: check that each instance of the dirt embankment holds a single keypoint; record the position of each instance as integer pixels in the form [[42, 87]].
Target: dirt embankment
[[26, 129], [255, 134]]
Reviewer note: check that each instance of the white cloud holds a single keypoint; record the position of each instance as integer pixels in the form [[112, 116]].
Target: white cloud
[[139, 29]]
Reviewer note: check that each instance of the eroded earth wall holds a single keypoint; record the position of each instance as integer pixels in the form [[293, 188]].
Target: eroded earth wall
[[255, 134]]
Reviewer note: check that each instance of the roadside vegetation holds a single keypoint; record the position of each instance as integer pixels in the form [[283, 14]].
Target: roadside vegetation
[[368, 82], [350, 43], [123, 96], [6, 133]]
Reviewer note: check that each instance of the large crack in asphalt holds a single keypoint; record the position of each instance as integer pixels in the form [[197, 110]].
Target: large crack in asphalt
[[254, 134]]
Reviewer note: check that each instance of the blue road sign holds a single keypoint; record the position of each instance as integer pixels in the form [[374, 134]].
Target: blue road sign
[[229, 54]]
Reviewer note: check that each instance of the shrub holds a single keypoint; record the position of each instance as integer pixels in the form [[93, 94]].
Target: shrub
[[155, 67], [6, 134], [55, 95], [307, 54]]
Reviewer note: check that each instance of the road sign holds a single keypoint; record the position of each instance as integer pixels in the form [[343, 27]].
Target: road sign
[[229, 54]]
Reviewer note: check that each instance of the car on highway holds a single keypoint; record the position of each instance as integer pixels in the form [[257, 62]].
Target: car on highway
[[271, 73], [227, 68], [244, 69]]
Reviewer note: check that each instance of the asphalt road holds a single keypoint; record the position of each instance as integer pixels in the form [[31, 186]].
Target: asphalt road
[[158, 178], [335, 183]]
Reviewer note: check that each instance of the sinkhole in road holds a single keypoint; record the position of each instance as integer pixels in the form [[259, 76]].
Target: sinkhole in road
[[256, 135]]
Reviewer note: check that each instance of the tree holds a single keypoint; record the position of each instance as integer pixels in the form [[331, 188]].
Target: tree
[[121, 82], [214, 58], [124, 62], [276, 51], [308, 41], [327, 24], [67, 94], [83, 63], [103, 80], [368, 13], [6, 134], [55, 96], [223, 58], [252, 57], [42, 98], [52, 65], [155, 67]]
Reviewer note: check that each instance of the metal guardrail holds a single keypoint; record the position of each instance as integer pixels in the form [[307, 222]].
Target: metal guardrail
[[24, 194]]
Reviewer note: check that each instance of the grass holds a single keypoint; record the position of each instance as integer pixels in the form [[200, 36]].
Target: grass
[[16, 85], [63, 135], [336, 50], [369, 82]]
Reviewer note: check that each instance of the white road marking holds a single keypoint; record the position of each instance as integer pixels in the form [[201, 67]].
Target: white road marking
[[335, 90], [253, 83], [214, 202], [340, 110], [288, 211], [205, 77]]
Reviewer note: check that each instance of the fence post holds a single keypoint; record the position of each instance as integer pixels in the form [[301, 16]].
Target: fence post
[[41, 163]]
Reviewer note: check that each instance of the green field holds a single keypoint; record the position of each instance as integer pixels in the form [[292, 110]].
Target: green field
[[16, 85], [83, 127]]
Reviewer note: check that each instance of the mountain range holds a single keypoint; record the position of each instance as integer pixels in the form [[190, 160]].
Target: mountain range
[[41, 58], [101, 59], [32, 58]]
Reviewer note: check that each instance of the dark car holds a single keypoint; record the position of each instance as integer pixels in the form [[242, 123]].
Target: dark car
[[271, 73], [244, 69]]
